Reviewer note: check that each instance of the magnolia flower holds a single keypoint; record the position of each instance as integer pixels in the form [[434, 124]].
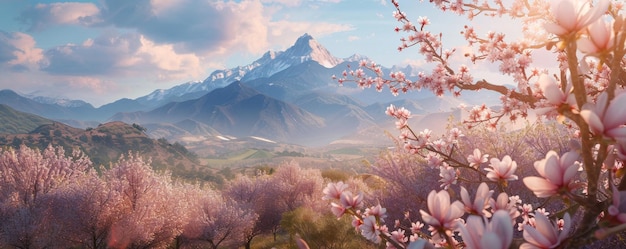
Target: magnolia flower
[[479, 233], [441, 214], [571, 16], [397, 236], [477, 158], [618, 206], [555, 97], [502, 170], [448, 176], [369, 229], [346, 201], [545, 234], [377, 211], [557, 174], [605, 118], [600, 37], [503, 202], [481, 200], [333, 190]]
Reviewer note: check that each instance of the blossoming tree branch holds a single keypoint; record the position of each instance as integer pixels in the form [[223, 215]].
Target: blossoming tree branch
[[583, 95]]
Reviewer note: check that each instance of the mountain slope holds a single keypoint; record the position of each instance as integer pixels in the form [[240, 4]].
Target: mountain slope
[[15, 122], [108, 142], [237, 110]]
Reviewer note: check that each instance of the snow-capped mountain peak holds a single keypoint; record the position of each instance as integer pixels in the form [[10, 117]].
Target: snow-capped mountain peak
[[357, 58], [306, 48], [60, 101]]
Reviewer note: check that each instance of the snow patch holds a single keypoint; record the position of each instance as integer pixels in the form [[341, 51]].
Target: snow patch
[[263, 139], [223, 138]]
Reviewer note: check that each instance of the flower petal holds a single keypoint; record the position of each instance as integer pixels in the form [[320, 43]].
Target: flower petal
[[593, 120], [615, 114], [545, 227], [540, 186]]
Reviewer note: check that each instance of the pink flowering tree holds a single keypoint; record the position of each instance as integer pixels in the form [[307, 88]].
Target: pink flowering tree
[[28, 177], [216, 221], [582, 92], [250, 192], [84, 212], [150, 215]]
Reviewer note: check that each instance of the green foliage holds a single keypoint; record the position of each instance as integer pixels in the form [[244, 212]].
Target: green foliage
[[322, 231], [139, 127], [227, 173], [290, 153], [335, 175], [15, 122]]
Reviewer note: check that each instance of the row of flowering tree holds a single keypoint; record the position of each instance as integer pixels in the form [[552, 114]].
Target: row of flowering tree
[[52, 200], [578, 194]]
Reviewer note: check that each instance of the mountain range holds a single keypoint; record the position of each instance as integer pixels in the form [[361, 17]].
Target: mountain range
[[284, 96]]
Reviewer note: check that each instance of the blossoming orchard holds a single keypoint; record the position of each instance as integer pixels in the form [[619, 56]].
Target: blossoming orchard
[[578, 189]]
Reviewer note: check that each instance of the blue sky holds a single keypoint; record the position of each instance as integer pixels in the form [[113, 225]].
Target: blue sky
[[101, 51]]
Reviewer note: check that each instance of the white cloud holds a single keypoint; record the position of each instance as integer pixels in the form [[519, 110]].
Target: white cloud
[[353, 38], [167, 62], [289, 3], [284, 33], [42, 16], [121, 55], [18, 51]]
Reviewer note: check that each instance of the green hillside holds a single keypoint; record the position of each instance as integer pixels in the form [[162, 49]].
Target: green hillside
[[16, 122], [107, 142]]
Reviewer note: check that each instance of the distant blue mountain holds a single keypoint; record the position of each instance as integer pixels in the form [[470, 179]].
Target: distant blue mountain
[[287, 96]]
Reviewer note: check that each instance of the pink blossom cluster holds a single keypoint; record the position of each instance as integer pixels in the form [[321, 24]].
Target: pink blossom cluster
[[582, 91], [487, 221]]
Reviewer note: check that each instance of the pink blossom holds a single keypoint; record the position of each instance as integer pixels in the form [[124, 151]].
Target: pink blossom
[[397, 236], [377, 211], [545, 234], [502, 170], [448, 176], [600, 37], [356, 223], [571, 16], [337, 209], [479, 233], [557, 174], [455, 134], [506, 203], [333, 190], [477, 158], [391, 110], [423, 21], [618, 206], [416, 226], [480, 202], [433, 159], [369, 229], [605, 118], [346, 201], [441, 214], [555, 97]]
